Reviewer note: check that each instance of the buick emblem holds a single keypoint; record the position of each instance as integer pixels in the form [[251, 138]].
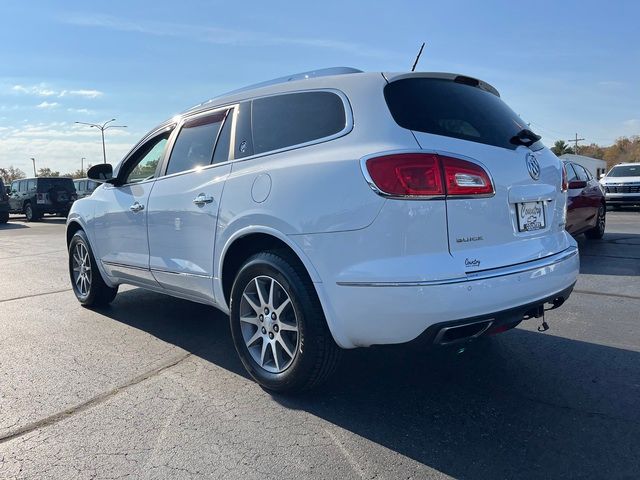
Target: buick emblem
[[533, 166]]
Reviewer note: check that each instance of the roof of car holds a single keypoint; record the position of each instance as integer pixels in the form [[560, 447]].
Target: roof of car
[[320, 79]]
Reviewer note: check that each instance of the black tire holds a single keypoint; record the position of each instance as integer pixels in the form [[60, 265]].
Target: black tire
[[98, 292], [597, 232], [316, 355], [30, 213], [4, 217]]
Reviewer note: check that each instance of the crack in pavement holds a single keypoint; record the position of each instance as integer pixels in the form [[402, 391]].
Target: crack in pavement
[[53, 292], [94, 401], [604, 294]]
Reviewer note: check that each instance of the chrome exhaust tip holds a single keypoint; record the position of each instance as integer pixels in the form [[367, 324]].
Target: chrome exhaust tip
[[461, 333]]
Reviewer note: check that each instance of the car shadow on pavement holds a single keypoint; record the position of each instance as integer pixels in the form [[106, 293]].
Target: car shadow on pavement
[[12, 226], [519, 405], [614, 254]]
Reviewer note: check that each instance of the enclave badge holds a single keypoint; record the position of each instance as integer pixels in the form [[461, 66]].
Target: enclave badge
[[533, 166]]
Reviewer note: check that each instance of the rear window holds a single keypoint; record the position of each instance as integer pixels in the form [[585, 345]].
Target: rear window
[[45, 184], [292, 119], [444, 107], [625, 171]]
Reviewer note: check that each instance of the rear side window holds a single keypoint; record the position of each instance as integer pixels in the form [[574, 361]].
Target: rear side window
[[31, 185], [283, 121], [582, 173], [194, 145], [452, 109]]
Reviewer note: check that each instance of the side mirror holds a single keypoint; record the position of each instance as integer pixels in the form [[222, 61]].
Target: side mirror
[[577, 184], [602, 175], [102, 172]]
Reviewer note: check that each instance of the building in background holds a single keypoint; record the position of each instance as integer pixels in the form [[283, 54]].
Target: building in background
[[596, 166]]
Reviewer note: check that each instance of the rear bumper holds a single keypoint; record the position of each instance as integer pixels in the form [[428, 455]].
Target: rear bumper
[[369, 313], [4, 207]]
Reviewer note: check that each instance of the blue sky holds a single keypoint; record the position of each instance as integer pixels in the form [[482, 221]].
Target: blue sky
[[566, 67]]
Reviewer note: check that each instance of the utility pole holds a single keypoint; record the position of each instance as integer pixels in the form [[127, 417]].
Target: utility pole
[[82, 166], [34, 167], [575, 142], [102, 128]]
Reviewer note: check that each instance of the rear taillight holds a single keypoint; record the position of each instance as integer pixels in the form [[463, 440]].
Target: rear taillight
[[465, 178], [427, 175], [565, 181]]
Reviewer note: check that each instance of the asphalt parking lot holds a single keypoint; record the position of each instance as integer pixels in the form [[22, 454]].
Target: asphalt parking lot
[[151, 387]]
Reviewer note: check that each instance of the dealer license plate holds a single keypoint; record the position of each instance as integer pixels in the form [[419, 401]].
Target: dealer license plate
[[530, 216]]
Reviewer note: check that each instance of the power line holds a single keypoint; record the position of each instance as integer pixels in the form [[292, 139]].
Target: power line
[[575, 141]]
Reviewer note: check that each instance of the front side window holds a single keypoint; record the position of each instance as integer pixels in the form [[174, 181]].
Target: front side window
[[143, 164], [582, 173], [282, 121], [571, 173], [14, 187], [195, 143]]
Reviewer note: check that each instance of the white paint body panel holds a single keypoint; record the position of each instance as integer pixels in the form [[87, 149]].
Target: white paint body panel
[[316, 200]]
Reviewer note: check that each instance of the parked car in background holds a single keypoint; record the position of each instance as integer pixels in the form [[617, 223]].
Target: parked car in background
[[39, 195], [436, 214], [4, 203], [586, 204], [85, 187], [622, 185]]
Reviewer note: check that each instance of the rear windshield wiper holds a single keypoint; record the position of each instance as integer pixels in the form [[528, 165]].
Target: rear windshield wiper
[[525, 137]]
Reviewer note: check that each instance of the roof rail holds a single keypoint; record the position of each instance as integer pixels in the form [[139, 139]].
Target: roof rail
[[323, 72]]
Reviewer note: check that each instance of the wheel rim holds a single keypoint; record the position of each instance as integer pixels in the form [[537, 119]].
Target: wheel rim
[[601, 219], [28, 212], [81, 269], [269, 324]]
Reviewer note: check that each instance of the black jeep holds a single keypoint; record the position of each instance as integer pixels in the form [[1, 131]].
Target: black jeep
[[36, 196], [4, 203]]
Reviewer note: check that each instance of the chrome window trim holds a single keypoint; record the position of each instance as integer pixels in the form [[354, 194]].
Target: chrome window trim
[[478, 275], [374, 187]]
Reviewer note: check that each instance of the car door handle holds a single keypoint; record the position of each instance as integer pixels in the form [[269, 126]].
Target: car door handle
[[202, 199], [136, 207]]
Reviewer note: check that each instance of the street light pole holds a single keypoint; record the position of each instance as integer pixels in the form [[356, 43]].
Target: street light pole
[[102, 128], [82, 166], [34, 167]]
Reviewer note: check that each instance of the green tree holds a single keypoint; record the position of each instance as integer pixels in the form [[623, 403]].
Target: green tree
[[47, 172], [561, 147], [11, 173]]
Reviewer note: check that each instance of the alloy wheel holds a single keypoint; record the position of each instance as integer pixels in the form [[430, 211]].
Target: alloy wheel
[[269, 324], [601, 218], [81, 269]]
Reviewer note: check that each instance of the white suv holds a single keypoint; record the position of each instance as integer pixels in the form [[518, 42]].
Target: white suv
[[622, 185], [335, 209]]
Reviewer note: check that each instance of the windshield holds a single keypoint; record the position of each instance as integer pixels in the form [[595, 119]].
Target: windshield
[[625, 171], [452, 109]]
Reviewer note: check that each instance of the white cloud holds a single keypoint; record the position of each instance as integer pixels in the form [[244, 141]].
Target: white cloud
[[82, 93], [220, 36], [59, 146], [46, 104], [39, 90], [84, 111], [42, 90]]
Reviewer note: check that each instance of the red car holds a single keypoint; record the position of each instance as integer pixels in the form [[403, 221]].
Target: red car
[[586, 205]]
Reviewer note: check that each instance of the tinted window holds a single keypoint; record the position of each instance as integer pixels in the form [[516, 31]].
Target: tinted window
[[145, 160], [582, 173], [625, 171], [286, 120], [45, 184], [195, 142], [571, 174], [452, 109]]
